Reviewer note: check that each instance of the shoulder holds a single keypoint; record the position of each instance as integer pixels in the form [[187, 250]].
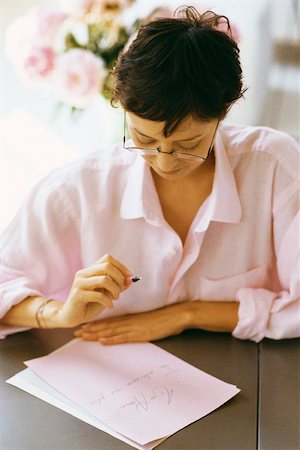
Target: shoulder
[[84, 178], [96, 166], [273, 144], [110, 158]]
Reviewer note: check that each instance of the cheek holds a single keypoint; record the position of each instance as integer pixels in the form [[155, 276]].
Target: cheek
[[149, 159]]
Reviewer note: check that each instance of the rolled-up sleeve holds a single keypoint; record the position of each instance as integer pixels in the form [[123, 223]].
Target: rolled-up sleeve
[[39, 249], [276, 315]]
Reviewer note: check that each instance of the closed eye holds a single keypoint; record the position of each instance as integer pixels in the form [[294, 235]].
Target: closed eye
[[152, 142], [186, 149], [144, 142]]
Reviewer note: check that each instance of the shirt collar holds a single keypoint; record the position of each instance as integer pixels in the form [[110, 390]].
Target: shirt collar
[[223, 204], [140, 198]]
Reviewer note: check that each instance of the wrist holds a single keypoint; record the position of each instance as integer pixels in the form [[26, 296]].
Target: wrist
[[49, 317], [185, 314], [212, 315], [189, 316]]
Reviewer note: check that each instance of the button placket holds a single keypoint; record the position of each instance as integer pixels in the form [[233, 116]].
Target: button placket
[[177, 294], [190, 255]]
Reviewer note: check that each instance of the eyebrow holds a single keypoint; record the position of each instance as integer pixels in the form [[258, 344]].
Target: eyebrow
[[180, 140]]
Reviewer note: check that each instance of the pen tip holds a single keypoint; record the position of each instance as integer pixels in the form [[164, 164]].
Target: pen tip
[[135, 279]]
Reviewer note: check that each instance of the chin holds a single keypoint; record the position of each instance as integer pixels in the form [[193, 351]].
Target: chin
[[175, 173], [172, 174]]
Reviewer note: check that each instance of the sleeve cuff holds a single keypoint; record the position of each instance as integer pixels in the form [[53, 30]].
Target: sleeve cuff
[[13, 292], [253, 314]]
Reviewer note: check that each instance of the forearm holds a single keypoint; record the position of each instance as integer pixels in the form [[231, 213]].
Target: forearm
[[163, 322], [211, 315], [24, 314]]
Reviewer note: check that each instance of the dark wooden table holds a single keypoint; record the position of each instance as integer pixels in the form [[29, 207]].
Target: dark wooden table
[[264, 415]]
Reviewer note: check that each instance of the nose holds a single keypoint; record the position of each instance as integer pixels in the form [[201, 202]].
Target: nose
[[165, 161]]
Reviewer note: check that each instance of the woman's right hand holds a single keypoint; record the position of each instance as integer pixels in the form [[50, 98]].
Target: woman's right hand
[[94, 289]]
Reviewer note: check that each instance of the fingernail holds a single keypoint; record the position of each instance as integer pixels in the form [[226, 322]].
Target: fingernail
[[128, 280]]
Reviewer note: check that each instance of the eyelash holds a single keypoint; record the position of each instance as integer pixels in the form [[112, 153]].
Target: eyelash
[[144, 143], [183, 148]]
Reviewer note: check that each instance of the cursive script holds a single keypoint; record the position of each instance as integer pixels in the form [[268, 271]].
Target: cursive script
[[142, 401], [145, 376]]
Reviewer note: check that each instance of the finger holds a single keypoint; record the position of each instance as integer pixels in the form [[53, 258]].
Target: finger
[[85, 296], [92, 337], [108, 324], [104, 268], [114, 273], [113, 326], [106, 332], [99, 283], [123, 269], [121, 339]]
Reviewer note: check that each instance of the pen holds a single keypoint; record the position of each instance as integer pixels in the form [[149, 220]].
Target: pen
[[132, 279]]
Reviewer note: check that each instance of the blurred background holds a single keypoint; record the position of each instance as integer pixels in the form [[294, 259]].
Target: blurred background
[[36, 135]]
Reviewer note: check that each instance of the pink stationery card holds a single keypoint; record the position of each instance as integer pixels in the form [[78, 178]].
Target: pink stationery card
[[139, 390]]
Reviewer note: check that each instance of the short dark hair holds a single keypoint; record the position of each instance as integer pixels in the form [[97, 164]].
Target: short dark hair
[[179, 66]]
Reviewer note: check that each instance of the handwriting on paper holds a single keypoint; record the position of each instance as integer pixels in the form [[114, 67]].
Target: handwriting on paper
[[142, 400], [139, 390]]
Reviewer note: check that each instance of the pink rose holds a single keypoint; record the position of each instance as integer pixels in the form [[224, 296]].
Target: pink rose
[[38, 27], [79, 76], [37, 64]]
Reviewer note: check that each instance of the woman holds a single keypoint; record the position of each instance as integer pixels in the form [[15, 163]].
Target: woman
[[204, 212]]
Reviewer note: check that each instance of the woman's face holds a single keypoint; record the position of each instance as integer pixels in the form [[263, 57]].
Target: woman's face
[[191, 136]]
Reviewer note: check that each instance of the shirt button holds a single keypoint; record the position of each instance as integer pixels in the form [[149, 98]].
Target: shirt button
[[172, 252]]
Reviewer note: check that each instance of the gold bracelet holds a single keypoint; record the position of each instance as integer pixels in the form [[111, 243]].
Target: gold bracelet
[[39, 313]]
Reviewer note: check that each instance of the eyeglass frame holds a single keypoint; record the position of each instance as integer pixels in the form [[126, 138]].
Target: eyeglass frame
[[173, 152]]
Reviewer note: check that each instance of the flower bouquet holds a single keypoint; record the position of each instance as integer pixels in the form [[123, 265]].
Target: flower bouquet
[[70, 50]]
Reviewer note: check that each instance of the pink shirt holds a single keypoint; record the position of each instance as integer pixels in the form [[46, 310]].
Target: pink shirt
[[243, 244]]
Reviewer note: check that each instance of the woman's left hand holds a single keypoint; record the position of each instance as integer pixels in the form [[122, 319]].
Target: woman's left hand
[[141, 327]]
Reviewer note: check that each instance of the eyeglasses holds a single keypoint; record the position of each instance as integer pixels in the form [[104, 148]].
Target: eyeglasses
[[148, 151]]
